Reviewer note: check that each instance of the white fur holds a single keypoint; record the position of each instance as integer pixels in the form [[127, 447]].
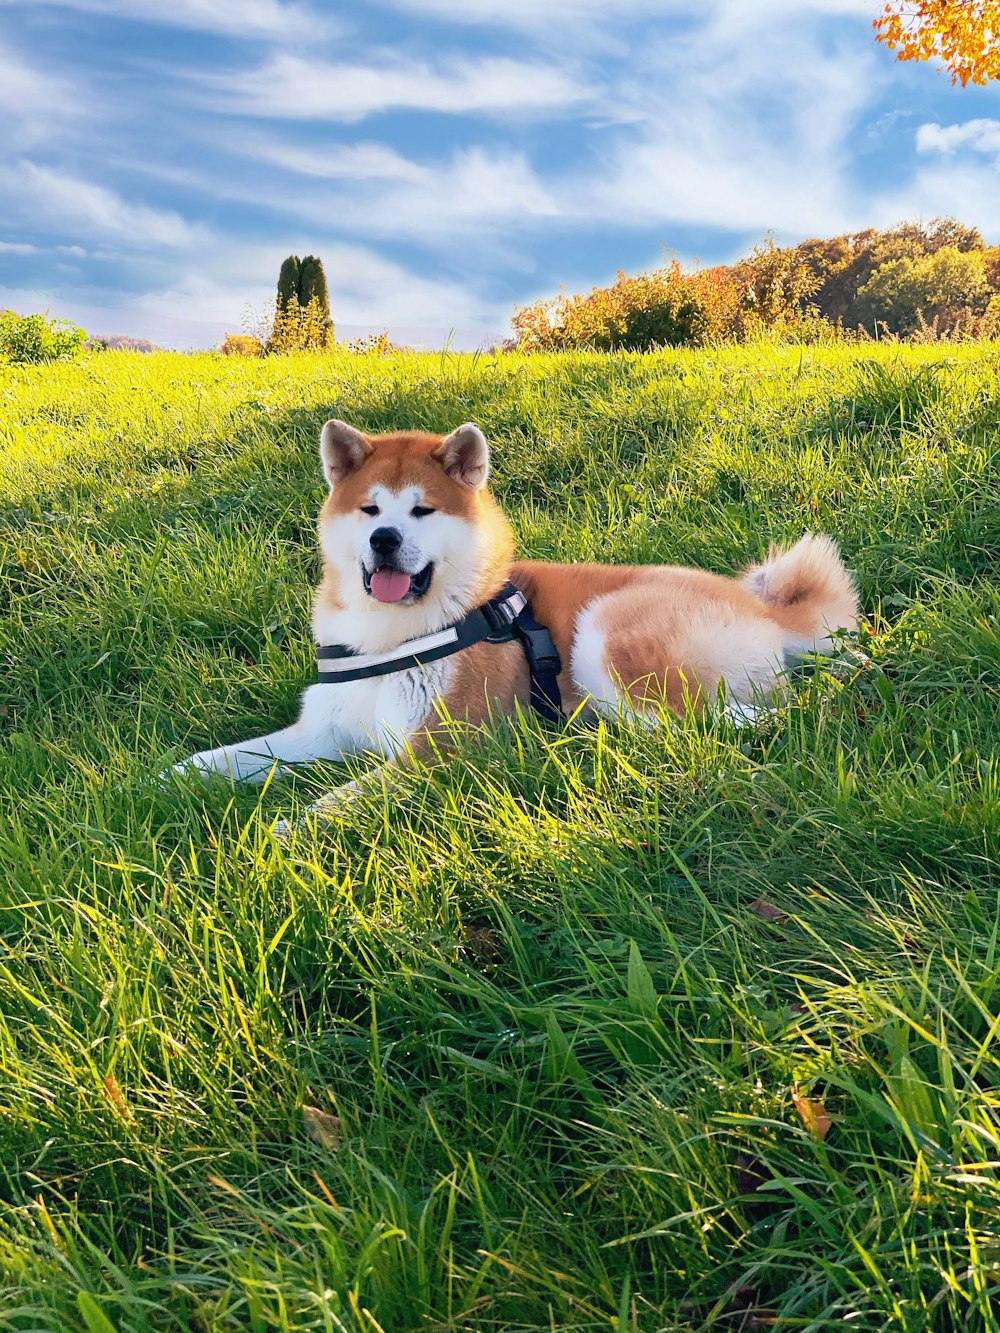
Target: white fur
[[746, 653], [377, 715], [587, 662], [451, 543]]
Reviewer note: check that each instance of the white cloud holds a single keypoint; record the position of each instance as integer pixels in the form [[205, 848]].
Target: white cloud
[[365, 287], [68, 206], [235, 18], [18, 248], [981, 136], [613, 27], [746, 125], [290, 87]]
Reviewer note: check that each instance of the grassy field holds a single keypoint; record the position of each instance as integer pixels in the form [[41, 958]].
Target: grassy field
[[693, 1029]]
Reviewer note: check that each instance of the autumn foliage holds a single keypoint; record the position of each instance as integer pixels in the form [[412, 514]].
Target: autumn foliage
[[922, 281], [674, 306], [963, 34]]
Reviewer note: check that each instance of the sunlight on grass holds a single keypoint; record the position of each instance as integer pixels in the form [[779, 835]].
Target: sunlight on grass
[[562, 990]]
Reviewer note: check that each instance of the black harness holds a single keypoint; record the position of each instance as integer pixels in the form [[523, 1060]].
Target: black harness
[[505, 617]]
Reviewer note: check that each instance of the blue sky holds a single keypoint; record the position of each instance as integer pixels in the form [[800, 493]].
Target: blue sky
[[448, 159]]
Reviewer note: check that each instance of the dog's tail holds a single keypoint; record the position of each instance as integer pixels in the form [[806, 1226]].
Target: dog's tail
[[807, 589]]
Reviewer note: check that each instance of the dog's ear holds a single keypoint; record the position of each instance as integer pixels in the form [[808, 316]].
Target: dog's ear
[[465, 456], [342, 449]]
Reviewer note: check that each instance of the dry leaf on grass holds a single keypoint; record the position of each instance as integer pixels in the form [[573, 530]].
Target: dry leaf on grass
[[767, 911], [322, 1127], [813, 1114]]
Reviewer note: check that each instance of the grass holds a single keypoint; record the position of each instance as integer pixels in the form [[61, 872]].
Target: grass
[[574, 998]]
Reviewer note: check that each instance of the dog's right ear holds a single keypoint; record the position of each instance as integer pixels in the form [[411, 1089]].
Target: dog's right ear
[[342, 449]]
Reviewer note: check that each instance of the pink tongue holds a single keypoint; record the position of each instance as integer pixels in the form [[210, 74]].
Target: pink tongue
[[390, 585]]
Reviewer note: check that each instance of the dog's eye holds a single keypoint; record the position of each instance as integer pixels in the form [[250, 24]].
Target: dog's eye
[[371, 510], [421, 511]]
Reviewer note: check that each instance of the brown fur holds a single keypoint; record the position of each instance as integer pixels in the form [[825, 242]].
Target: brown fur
[[407, 458]]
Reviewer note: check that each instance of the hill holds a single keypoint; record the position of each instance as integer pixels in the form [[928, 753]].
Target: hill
[[636, 1029]]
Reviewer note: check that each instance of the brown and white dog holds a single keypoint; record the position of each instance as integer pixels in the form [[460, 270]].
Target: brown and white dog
[[413, 541]]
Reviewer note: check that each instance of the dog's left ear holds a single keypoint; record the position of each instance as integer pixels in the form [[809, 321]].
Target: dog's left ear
[[342, 449], [465, 456]]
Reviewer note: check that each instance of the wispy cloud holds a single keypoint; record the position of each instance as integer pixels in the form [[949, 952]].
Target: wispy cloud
[[723, 141], [357, 162], [371, 190], [236, 18], [367, 289], [67, 206], [291, 87], [37, 103]]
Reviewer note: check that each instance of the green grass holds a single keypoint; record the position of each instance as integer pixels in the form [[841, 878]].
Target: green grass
[[533, 984]]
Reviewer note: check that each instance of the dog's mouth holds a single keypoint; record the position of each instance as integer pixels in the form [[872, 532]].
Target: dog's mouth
[[394, 585]]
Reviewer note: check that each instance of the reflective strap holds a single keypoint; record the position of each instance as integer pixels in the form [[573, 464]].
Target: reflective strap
[[328, 664]]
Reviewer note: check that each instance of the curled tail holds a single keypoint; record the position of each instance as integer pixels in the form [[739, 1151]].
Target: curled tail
[[807, 589]]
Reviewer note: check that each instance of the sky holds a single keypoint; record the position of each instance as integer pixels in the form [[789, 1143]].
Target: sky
[[449, 160]]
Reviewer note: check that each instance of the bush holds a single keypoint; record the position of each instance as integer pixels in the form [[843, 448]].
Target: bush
[[242, 344], [674, 306], [32, 339], [301, 328], [667, 307], [372, 342], [948, 290]]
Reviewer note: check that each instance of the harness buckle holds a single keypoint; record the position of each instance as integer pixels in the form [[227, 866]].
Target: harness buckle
[[500, 619], [541, 651]]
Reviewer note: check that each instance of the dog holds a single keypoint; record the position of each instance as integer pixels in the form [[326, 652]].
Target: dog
[[414, 545]]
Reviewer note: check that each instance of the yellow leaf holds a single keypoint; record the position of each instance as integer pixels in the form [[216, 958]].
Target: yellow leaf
[[813, 1114]]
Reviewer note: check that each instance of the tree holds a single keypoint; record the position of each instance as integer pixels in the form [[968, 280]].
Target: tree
[[312, 287], [288, 283], [302, 308], [948, 287], [963, 34]]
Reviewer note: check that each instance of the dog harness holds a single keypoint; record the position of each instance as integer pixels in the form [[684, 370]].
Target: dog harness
[[505, 617]]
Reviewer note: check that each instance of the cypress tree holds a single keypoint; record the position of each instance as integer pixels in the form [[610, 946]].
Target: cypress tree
[[312, 285], [288, 284]]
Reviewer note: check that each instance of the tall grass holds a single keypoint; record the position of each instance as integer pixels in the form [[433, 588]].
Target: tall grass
[[562, 992]]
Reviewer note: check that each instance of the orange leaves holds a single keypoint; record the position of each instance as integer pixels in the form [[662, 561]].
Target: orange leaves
[[963, 34], [668, 307]]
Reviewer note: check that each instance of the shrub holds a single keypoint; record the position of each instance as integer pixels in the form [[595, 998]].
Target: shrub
[[667, 307], [31, 339], [947, 290], [300, 328], [301, 319], [372, 342], [242, 344]]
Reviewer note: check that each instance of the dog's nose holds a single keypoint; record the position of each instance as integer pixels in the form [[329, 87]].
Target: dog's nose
[[386, 541]]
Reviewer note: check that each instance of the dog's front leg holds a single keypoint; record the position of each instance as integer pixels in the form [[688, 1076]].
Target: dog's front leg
[[320, 733], [253, 760]]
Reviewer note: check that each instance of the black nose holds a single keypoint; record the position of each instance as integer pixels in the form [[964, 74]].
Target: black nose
[[386, 541]]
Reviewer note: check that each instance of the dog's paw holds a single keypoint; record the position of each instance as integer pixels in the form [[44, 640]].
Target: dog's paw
[[748, 716], [281, 831], [187, 768]]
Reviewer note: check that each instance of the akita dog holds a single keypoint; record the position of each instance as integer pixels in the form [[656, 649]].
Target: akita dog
[[415, 614]]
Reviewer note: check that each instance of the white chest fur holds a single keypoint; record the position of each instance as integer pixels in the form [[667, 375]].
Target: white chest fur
[[377, 714]]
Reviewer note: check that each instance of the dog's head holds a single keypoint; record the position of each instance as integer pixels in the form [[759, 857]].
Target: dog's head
[[409, 523]]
